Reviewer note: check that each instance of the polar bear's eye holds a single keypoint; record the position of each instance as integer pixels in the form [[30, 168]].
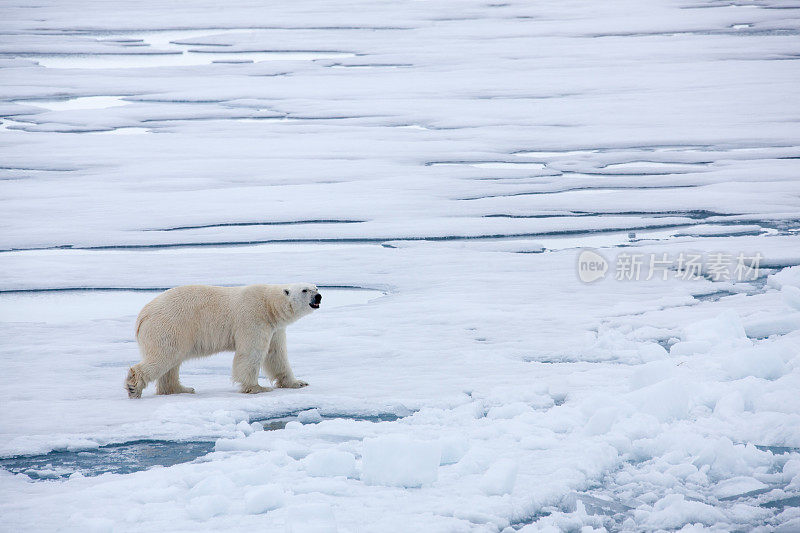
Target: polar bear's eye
[[286, 291], [305, 290]]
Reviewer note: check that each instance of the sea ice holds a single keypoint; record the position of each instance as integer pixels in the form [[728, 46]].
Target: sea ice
[[311, 518], [437, 175], [264, 498], [500, 478], [327, 463], [401, 461], [202, 508], [309, 416]]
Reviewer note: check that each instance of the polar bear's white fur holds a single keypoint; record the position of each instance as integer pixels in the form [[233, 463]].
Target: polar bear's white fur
[[200, 320]]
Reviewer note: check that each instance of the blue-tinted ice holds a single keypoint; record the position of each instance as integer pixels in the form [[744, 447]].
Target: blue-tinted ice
[[133, 456], [121, 458]]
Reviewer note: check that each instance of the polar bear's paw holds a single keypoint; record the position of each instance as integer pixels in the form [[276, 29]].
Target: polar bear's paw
[[134, 383], [295, 384], [180, 389], [254, 389]]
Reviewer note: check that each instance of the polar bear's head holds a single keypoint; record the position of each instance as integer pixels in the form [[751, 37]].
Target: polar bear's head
[[303, 297]]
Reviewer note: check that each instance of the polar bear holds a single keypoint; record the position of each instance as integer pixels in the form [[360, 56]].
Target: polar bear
[[201, 320]]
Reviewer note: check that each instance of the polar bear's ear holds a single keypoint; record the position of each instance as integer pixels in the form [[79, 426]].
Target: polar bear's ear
[[286, 291]]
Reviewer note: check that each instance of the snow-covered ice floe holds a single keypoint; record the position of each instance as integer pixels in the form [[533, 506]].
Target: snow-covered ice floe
[[438, 172], [54, 306]]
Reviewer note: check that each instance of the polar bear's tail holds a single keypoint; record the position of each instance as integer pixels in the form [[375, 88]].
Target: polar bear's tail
[[139, 321]]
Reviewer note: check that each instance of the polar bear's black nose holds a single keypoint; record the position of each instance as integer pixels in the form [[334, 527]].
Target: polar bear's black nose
[[317, 298]]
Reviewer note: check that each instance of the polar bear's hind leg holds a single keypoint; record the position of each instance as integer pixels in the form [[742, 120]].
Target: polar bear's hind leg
[[139, 375], [170, 383], [135, 382]]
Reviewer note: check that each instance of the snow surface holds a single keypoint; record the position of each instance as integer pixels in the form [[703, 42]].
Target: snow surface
[[401, 461], [450, 161]]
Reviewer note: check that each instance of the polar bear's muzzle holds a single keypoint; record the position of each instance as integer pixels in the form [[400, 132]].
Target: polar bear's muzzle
[[315, 302]]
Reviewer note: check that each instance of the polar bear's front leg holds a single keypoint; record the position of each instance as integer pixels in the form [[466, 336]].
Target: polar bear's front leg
[[276, 364], [250, 352]]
